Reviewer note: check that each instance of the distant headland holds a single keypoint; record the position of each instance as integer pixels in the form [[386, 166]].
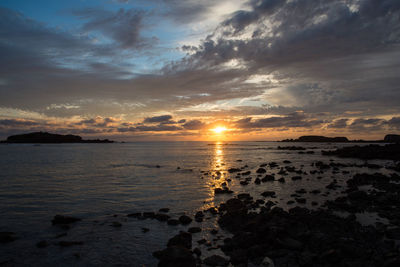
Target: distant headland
[[49, 138], [390, 138]]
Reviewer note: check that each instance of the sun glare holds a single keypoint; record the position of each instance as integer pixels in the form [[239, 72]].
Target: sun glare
[[219, 129]]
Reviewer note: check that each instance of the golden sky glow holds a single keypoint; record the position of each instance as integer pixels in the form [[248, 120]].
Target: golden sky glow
[[219, 129]]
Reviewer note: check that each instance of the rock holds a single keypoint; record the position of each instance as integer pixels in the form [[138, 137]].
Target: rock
[[149, 215], [281, 180], [116, 224], [7, 237], [61, 219], [232, 170], [175, 257], [185, 219], [145, 230], [261, 170], [214, 231], [295, 178], [183, 239], [244, 182], [268, 194], [161, 217], [173, 222], [257, 181], [69, 243], [222, 191], [216, 260], [268, 178], [42, 244], [291, 243], [164, 210], [301, 200], [194, 230], [267, 262], [135, 215], [202, 241], [393, 233]]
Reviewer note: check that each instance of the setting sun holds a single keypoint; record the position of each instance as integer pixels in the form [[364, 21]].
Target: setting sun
[[219, 129]]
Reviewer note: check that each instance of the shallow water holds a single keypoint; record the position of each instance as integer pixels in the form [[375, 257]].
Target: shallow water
[[101, 183]]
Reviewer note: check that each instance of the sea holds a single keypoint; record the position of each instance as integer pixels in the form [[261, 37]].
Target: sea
[[102, 183]]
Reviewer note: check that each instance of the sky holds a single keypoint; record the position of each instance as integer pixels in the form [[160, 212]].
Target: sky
[[143, 70]]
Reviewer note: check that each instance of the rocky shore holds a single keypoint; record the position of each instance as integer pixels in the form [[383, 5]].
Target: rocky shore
[[49, 138]]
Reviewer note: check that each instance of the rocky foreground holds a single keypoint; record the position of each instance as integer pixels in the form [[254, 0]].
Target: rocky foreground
[[266, 235]]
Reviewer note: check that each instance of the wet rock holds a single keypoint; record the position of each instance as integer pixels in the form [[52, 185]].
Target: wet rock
[[232, 170], [281, 180], [194, 230], [216, 260], [261, 170], [301, 200], [62, 219], [42, 244], [135, 215], [149, 215], [268, 178], [173, 222], [69, 243], [267, 262], [257, 181], [197, 251], [290, 243], [164, 210], [184, 219], [246, 173], [315, 191], [116, 224], [268, 194], [7, 237], [161, 217], [244, 182], [183, 239], [214, 231], [175, 256], [145, 230], [222, 191], [287, 161], [295, 178], [202, 241]]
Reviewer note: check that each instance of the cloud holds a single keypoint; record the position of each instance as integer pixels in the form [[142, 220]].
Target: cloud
[[297, 119], [163, 118], [17, 123], [193, 125], [122, 26]]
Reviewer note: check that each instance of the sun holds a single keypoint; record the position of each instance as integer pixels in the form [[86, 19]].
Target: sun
[[219, 129]]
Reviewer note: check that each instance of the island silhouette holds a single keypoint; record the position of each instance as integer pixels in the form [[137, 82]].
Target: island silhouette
[[50, 138]]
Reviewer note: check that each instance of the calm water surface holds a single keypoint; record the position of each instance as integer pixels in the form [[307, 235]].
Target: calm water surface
[[101, 183]]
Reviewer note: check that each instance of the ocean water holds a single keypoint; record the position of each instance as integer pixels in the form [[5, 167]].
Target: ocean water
[[102, 183]]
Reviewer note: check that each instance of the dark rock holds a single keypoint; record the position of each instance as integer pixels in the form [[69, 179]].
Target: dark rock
[[7, 237], [116, 224], [194, 230], [42, 244], [268, 194], [161, 217], [294, 178], [69, 243], [268, 178], [197, 251], [287, 161], [257, 181], [61, 219], [202, 241], [184, 219], [135, 215], [232, 170], [149, 215], [145, 230], [216, 260], [222, 191], [261, 170], [281, 180], [175, 256], [173, 222], [164, 210], [301, 200], [183, 239], [214, 231], [246, 173]]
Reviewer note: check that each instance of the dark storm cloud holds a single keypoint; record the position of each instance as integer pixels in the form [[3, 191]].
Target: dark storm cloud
[[339, 124], [163, 118], [297, 119], [123, 26]]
